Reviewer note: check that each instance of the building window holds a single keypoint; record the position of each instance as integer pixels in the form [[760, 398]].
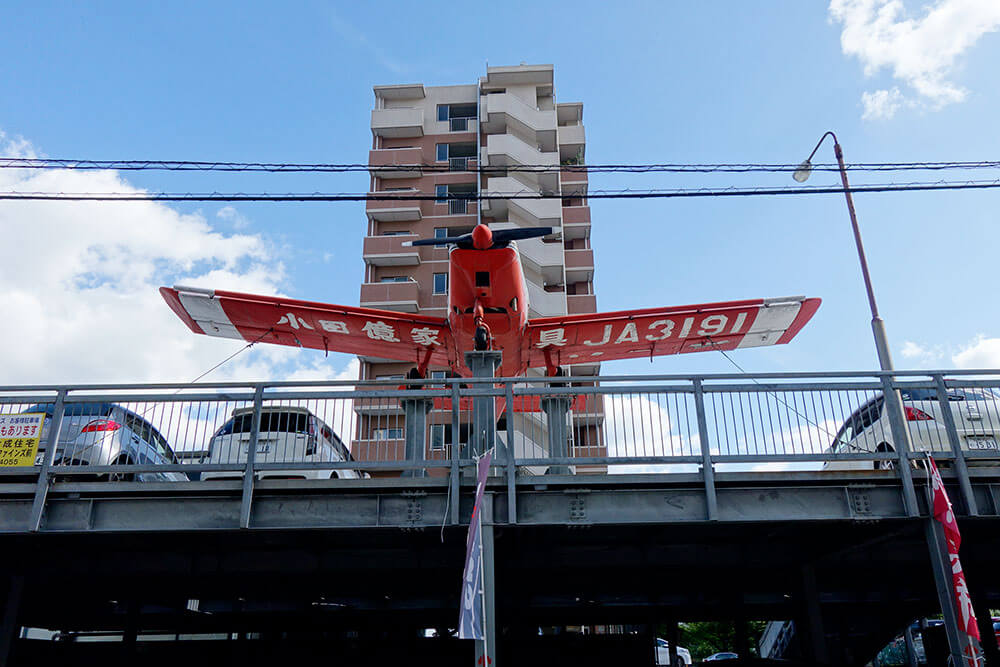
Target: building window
[[441, 233], [387, 434], [442, 152], [442, 193], [440, 283], [438, 441]]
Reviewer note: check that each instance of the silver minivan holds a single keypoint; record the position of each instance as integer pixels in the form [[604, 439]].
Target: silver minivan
[[107, 434], [287, 434]]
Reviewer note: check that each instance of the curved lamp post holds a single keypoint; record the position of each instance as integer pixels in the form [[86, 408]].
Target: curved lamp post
[[878, 326]]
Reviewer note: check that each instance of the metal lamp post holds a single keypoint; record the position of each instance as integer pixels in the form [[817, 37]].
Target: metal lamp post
[[878, 326], [934, 533]]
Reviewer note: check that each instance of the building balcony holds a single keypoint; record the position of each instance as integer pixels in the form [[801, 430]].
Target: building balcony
[[539, 212], [401, 210], [545, 304], [390, 251], [504, 112], [395, 163], [506, 150], [401, 122], [572, 142], [581, 303], [390, 296], [576, 222], [579, 265]]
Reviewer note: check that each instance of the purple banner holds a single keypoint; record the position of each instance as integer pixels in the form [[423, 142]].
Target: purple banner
[[470, 619]]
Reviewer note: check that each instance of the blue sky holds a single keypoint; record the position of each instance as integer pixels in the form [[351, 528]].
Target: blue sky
[[660, 82]]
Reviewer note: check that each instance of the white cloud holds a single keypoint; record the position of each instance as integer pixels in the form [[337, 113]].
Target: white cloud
[[920, 52], [882, 104], [80, 282], [982, 353], [234, 217]]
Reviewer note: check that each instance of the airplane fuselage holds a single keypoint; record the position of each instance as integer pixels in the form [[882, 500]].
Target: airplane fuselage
[[487, 287]]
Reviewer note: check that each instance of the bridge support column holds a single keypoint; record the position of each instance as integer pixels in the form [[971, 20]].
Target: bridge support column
[[10, 626], [674, 639], [815, 646], [988, 638], [484, 417], [556, 409], [415, 412]]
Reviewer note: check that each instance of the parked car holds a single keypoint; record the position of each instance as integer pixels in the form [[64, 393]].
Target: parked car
[[976, 412], [724, 655], [107, 434], [663, 654], [286, 435]]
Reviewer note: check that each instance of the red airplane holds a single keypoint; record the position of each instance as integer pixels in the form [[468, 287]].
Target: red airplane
[[488, 309]]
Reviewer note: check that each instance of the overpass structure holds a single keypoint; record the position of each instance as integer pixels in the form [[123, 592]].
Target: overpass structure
[[720, 497]]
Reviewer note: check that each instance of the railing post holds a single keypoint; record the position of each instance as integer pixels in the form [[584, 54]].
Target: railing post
[[511, 454], [249, 475], [708, 472], [901, 437], [45, 474], [453, 472], [961, 469], [556, 409], [415, 412]]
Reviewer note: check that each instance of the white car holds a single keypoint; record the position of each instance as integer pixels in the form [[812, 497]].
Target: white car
[[663, 654], [976, 412], [286, 435]]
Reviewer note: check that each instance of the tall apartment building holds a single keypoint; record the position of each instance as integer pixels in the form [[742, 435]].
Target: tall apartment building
[[509, 117]]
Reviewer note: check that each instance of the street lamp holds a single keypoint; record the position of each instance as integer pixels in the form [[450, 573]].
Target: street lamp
[[878, 326]]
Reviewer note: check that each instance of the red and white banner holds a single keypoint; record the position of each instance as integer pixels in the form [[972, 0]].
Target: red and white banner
[[944, 513]]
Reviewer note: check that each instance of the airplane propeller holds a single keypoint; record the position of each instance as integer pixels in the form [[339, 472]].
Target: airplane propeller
[[484, 238]]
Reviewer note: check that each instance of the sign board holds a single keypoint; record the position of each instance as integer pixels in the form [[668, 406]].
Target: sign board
[[19, 435]]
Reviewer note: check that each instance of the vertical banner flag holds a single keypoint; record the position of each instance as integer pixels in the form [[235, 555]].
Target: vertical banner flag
[[470, 619], [946, 516]]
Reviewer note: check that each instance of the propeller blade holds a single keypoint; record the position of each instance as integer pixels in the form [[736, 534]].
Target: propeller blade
[[516, 234], [440, 241]]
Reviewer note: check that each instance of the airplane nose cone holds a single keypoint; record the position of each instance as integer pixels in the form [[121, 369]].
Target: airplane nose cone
[[482, 237]]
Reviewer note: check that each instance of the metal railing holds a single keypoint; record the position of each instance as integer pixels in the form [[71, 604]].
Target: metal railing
[[577, 424]]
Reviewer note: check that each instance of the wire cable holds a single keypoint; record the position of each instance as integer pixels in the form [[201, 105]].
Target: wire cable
[[320, 167], [415, 196]]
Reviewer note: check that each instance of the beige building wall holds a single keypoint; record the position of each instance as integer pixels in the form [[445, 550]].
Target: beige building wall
[[510, 117]]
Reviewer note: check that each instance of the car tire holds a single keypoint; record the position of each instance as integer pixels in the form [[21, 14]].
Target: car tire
[[122, 476], [885, 448]]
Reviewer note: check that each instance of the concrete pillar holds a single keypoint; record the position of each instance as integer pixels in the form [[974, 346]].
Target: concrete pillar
[[415, 411], [556, 409], [489, 646], [484, 419]]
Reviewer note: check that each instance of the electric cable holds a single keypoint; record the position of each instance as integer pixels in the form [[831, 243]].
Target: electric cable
[[490, 196], [445, 166]]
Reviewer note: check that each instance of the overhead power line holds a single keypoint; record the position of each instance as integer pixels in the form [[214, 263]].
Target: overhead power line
[[487, 196], [318, 167]]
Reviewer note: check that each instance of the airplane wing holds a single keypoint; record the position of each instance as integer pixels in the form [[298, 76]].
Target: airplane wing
[[383, 334], [595, 337]]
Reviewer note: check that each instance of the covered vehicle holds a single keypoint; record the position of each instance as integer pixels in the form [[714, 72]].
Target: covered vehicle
[[976, 413], [287, 434], [663, 654], [103, 434]]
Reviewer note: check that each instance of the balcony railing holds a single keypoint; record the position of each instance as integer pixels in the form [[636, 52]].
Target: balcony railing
[[390, 251], [401, 122], [581, 303], [395, 162], [395, 208], [400, 296]]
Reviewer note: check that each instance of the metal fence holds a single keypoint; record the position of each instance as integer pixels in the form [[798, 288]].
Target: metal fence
[[576, 424]]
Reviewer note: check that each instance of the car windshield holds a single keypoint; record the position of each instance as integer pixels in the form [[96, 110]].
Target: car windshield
[[270, 422], [954, 394]]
